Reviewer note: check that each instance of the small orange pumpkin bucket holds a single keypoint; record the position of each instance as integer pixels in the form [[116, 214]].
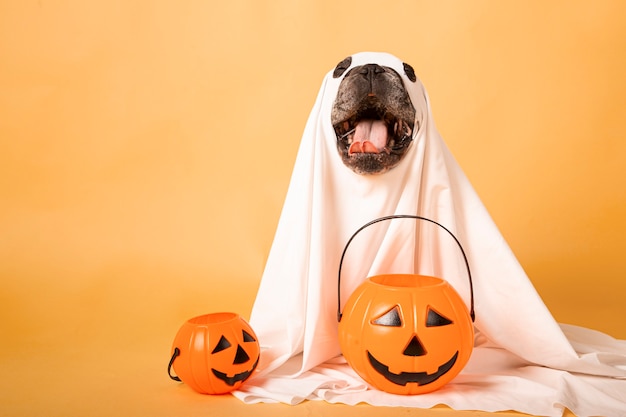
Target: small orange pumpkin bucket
[[403, 333], [214, 353]]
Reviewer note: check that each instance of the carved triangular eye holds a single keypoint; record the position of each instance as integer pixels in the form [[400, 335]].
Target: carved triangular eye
[[391, 318], [434, 319], [221, 345], [247, 337]]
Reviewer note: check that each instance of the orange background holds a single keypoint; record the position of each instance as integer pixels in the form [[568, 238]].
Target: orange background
[[146, 148]]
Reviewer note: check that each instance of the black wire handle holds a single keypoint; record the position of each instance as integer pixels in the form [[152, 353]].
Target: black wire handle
[[169, 366], [404, 216]]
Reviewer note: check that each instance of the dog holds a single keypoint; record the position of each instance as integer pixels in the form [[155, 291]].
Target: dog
[[372, 116]]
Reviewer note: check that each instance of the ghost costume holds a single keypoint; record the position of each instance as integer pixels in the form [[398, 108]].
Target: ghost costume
[[523, 360]]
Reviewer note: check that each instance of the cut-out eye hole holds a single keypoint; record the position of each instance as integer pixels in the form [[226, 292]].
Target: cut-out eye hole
[[221, 345], [391, 318], [410, 72], [342, 67], [247, 337], [434, 319]]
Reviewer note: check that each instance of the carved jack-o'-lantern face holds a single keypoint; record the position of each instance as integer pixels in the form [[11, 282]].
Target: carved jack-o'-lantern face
[[406, 334], [223, 358], [215, 353]]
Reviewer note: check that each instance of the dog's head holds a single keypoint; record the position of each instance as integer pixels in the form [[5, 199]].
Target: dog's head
[[373, 116]]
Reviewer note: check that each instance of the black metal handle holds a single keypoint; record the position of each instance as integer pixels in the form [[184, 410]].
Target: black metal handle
[[404, 216]]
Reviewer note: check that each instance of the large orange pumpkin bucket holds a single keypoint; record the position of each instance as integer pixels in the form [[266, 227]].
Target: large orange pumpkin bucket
[[405, 333]]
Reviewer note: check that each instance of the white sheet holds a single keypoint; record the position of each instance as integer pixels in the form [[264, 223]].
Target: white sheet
[[523, 359]]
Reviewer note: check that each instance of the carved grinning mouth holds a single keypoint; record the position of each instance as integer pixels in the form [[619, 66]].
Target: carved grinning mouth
[[403, 378], [232, 380], [374, 129]]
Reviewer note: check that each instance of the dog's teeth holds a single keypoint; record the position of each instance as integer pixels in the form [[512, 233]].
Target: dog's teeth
[[395, 128]]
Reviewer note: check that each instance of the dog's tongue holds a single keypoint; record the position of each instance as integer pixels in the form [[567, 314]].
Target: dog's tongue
[[370, 136]]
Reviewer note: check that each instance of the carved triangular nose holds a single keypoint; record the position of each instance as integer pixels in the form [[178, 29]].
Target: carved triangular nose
[[241, 356], [415, 348]]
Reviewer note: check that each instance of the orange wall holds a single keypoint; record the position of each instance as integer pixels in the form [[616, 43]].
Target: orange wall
[[146, 146]]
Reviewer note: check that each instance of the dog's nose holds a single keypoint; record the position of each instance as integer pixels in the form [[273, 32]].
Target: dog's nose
[[369, 72]]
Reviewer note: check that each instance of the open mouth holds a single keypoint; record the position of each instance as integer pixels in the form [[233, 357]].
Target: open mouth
[[373, 130], [232, 380], [403, 378]]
